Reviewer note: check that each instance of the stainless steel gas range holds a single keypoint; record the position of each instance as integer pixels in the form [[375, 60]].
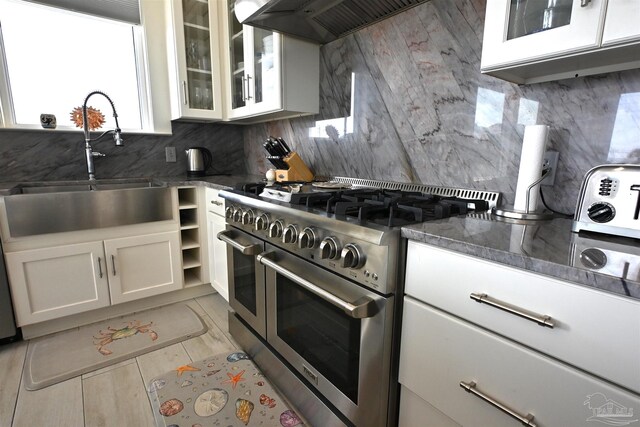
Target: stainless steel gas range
[[315, 287]]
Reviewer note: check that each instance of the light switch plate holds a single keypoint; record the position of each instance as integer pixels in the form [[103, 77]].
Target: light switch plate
[[170, 154]]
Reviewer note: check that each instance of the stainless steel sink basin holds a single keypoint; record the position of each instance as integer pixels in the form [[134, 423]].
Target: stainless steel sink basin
[[63, 208], [66, 186]]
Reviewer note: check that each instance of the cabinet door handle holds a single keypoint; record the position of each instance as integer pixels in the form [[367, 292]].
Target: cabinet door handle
[[244, 88], [100, 267], [248, 86], [540, 319], [113, 264], [470, 387], [185, 93], [584, 3]]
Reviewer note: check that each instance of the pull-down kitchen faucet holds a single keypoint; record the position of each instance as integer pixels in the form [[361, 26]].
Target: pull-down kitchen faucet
[[117, 137]]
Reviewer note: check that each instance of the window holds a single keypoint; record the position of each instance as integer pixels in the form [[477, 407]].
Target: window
[[54, 58]]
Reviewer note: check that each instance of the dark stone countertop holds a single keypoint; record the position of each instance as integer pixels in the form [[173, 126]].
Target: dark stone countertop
[[544, 247]]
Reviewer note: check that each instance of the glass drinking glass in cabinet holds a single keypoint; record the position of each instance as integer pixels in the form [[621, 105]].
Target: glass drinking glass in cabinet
[[532, 16]]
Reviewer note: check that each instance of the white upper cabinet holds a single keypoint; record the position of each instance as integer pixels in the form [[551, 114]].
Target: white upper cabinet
[[268, 75], [623, 22], [194, 60], [529, 41]]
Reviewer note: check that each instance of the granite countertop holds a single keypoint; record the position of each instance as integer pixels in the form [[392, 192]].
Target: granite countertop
[[545, 247]]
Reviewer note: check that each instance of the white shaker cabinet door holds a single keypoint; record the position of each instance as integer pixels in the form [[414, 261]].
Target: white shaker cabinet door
[[622, 23], [54, 282], [218, 256], [520, 31], [143, 266]]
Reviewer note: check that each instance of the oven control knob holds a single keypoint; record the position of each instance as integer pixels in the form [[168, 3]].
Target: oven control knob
[[351, 257], [307, 239], [262, 222], [237, 215], [601, 212], [247, 217], [329, 248], [290, 234], [228, 212], [275, 229]]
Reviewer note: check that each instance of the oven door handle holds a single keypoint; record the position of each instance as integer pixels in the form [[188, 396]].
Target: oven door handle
[[362, 308], [246, 250]]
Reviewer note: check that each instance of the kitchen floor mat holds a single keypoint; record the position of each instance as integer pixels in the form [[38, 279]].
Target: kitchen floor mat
[[224, 390], [58, 357]]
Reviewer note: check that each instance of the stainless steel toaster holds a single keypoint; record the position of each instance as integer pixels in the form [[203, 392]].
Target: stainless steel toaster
[[609, 201]]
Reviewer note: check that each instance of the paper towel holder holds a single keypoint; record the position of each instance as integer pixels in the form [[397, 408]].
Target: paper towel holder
[[526, 214]]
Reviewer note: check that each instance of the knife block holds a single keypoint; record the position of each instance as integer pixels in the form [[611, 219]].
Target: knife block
[[297, 171]]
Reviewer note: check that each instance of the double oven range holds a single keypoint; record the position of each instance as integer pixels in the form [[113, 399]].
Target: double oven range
[[315, 287]]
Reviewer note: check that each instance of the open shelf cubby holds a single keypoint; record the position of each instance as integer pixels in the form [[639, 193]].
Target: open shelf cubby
[[190, 236]]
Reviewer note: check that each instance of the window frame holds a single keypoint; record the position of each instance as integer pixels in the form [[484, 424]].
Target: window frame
[[154, 119]]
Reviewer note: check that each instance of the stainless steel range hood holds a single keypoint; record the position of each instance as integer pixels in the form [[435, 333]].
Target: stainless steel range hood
[[318, 20]]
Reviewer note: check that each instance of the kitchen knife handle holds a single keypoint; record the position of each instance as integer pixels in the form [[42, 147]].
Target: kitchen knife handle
[[284, 145], [542, 320]]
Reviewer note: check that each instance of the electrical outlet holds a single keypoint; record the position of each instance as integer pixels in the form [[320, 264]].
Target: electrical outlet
[[550, 160], [170, 154]]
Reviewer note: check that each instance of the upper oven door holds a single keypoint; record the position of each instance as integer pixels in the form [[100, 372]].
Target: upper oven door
[[335, 333], [246, 277]]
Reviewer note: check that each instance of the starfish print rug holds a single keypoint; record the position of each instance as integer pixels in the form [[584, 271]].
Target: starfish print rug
[[223, 390]]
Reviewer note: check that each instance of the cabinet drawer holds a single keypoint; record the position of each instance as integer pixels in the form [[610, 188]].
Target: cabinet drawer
[[439, 351], [214, 203], [590, 326]]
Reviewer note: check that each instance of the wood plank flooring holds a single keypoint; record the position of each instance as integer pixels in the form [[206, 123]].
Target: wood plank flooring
[[112, 396]]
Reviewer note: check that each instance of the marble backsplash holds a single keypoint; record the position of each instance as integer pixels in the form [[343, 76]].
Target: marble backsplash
[[404, 100], [48, 156]]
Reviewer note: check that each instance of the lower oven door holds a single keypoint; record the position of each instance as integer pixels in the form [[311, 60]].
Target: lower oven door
[[335, 333], [246, 277]]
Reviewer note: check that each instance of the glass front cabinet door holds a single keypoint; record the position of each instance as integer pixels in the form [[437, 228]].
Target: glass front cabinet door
[[520, 31], [195, 65], [258, 61]]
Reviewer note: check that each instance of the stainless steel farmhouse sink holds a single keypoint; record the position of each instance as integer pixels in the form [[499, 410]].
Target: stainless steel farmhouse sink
[[45, 209], [66, 186]]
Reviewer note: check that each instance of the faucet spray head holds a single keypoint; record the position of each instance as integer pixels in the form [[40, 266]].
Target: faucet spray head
[[117, 138]]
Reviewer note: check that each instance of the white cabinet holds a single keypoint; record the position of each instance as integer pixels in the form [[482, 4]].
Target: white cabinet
[[529, 41], [143, 266], [268, 75], [194, 59], [217, 248], [53, 282], [533, 344]]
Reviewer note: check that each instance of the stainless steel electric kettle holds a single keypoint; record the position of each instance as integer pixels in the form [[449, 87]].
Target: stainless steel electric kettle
[[199, 159]]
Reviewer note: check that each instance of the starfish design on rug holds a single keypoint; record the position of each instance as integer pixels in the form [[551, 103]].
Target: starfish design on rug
[[234, 379], [185, 368]]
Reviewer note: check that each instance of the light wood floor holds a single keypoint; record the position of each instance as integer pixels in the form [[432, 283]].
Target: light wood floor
[[113, 396]]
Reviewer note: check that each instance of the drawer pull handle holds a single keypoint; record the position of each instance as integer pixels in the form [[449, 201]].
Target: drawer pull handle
[[540, 319], [215, 202], [470, 387]]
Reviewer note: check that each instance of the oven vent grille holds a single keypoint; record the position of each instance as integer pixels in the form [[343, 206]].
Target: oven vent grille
[[491, 197]]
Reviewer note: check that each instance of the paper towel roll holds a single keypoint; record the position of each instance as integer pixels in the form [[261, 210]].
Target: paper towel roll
[[534, 145]]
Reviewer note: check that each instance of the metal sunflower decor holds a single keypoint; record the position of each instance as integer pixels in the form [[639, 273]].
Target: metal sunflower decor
[[94, 117]]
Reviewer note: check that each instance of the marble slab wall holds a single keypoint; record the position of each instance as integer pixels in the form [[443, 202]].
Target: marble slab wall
[[46, 155], [404, 100]]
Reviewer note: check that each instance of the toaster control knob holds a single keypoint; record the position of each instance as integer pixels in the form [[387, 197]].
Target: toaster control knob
[[275, 229], [601, 212], [290, 234], [351, 257], [237, 215], [329, 248], [262, 222], [593, 258], [247, 217], [307, 239]]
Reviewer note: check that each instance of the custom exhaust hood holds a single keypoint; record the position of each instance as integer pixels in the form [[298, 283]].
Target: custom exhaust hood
[[318, 20]]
